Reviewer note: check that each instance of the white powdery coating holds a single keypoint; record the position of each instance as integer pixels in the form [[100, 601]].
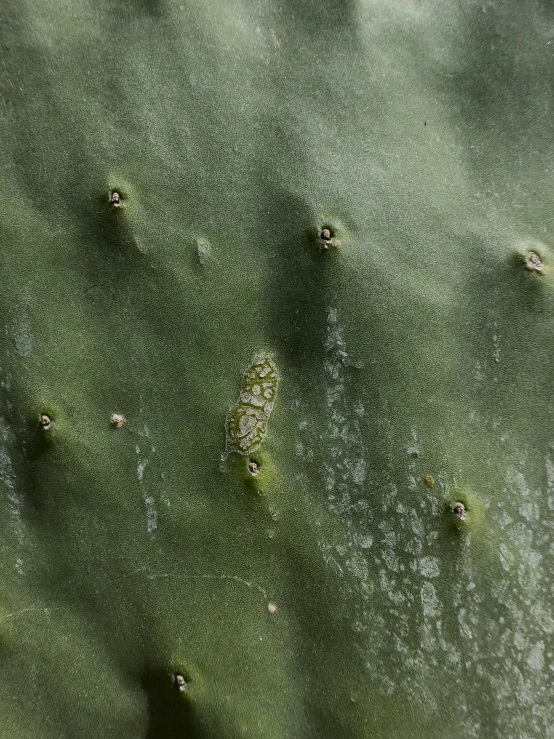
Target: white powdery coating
[[427, 566], [15, 499], [429, 600], [147, 497], [457, 616]]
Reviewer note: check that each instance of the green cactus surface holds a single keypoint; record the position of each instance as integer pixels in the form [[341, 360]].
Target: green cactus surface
[[277, 363]]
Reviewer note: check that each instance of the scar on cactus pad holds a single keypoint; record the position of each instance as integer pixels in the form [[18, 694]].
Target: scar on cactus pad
[[246, 423], [202, 249]]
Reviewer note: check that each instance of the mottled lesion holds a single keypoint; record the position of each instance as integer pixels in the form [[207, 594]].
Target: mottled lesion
[[246, 423]]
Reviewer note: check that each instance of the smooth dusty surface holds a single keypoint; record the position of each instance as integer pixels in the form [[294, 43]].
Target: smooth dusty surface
[[417, 344]]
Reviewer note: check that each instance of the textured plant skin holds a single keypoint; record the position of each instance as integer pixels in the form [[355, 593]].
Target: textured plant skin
[[330, 591]]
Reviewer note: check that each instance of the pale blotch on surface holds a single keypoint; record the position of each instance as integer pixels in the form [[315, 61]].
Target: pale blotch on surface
[[203, 249], [427, 566], [272, 608], [9, 480], [246, 423], [22, 334], [148, 498]]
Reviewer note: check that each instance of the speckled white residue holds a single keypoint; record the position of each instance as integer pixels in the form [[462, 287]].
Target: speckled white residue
[[364, 541], [427, 566], [429, 601], [344, 473], [535, 656], [479, 371], [496, 347], [148, 498], [22, 333], [360, 553], [357, 565], [151, 513], [505, 629], [550, 483], [141, 467], [516, 624], [424, 614], [15, 499], [507, 559]]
